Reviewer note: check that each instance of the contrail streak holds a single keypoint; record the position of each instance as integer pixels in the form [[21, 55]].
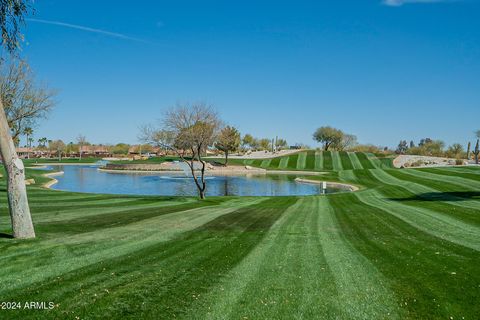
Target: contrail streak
[[88, 29]]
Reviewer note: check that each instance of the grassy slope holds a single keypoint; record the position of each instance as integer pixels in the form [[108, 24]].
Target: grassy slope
[[407, 247], [319, 161]]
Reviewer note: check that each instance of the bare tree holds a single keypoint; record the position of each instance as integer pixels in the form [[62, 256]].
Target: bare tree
[[348, 142], [58, 146], [81, 141], [11, 17], [24, 101], [228, 140], [12, 14], [187, 131]]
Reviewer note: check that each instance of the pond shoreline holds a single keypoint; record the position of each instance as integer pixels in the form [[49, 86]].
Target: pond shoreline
[[239, 181], [338, 185], [53, 181]]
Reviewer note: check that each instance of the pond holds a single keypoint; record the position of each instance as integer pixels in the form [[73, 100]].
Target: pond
[[87, 178]]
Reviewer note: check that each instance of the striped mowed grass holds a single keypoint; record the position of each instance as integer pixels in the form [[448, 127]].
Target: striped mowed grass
[[404, 247], [312, 160]]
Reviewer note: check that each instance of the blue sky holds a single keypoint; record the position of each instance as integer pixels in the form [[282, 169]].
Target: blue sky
[[384, 71]]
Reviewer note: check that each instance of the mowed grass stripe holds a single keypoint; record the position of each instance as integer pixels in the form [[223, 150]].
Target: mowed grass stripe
[[301, 161], [173, 277], [266, 163], [267, 285], [422, 270], [275, 163], [336, 281], [283, 163], [257, 162], [310, 161], [356, 164], [40, 262], [435, 223], [429, 191], [116, 219], [346, 162], [413, 194], [292, 161], [455, 173], [64, 206], [471, 170], [327, 160], [366, 163], [54, 213], [319, 160], [336, 161], [453, 180], [374, 160], [361, 288]]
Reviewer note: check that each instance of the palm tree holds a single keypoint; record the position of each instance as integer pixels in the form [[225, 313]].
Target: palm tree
[[28, 133], [42, 142]]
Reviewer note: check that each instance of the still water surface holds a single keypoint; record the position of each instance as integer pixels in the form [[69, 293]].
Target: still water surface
[[87, 178]]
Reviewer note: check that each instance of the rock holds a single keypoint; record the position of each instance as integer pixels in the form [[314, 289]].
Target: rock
[[248, 168], [29, 181]]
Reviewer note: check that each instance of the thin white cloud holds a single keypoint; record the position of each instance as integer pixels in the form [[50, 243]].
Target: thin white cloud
[[88, 29], [398, 3]]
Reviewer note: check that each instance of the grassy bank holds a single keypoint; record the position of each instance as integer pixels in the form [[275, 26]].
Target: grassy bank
[[312, 160], [29, 162], [405, 247]]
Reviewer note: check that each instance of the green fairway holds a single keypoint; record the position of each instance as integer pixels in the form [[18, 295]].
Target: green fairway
[[406, 246], [319, 161]]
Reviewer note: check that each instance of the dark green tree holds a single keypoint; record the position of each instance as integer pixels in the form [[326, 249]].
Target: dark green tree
[[228, 141], [329, 137]]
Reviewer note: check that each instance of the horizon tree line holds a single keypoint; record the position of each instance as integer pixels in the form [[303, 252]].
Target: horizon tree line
[[431, 147]]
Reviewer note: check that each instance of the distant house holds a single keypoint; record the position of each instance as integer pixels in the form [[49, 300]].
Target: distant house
[[24, 152], [137, 149], [134, 149], [95, 151]]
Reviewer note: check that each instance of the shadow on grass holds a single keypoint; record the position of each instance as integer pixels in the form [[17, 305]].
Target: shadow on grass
[[443, 196], [5, 236]]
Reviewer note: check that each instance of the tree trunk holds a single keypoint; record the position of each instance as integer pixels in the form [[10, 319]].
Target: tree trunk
[[226, 158], [22, 225], [28, 146], [477, 151]]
